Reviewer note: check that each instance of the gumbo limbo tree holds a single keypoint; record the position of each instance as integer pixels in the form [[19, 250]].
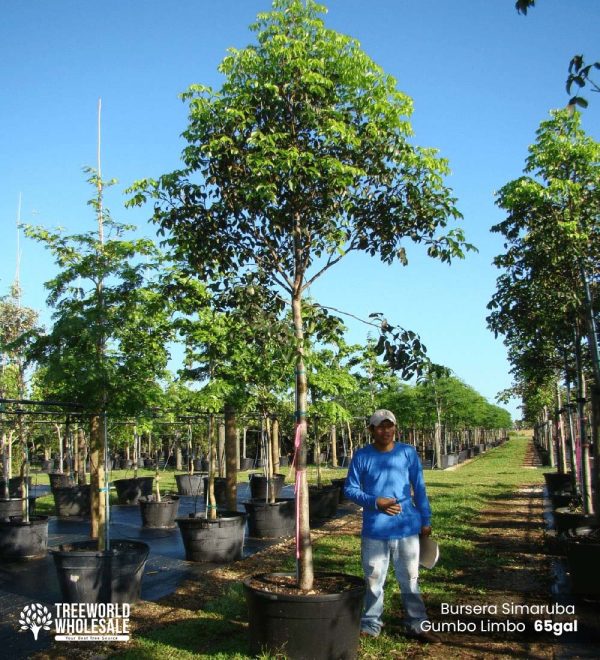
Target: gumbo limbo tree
[[301, 157]]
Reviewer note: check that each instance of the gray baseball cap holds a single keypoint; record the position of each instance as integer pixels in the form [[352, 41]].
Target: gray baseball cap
[[380, 416]]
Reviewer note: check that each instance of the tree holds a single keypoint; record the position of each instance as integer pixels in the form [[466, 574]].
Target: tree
[[550, 285], [302, 157], [107, 345]]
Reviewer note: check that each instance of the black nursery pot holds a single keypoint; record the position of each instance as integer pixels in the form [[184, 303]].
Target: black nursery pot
[[557, 481], [15, 486], [159, 515], [266, 520], [11, 507], [129, 491], [301, 626], [60, 480], [190, 484], [261, 487], [565, 519], [340, 483], [219, 540], [246, 464], [323, 502], [583, 556], [88, 575], [562, 497], [73, 501], [220, 490], [24, 540]]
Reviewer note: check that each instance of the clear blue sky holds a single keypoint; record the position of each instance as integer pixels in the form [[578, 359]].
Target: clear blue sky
[[482, 78]]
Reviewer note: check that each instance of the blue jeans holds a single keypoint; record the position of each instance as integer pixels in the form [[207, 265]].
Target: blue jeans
[[375, 556]]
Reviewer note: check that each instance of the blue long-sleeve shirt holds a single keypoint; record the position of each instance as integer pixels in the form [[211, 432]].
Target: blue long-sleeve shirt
[[395, 473]]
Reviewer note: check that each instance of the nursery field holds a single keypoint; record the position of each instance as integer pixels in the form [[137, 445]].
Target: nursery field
[[488, 519]]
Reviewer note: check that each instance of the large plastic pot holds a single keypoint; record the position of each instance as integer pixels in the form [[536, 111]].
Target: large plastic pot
[[11, 507], [60, 480], [340, 483], [159, 515], [566, 519], [301, 626], [219, 540], [261, 487], [15, 486], [73, 501], [583, 556], [557, 480], [220, 490], [88, 575], [190, 484], [129, 491], [24, 540], [246, 464], [323, 502], [266, 520]]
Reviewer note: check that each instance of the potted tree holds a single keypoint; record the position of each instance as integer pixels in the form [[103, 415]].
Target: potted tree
[[104, 351], [306, 158], [130, 490], [158, 511], [269, 516], [23, 536], [212, 535], [190, 483]]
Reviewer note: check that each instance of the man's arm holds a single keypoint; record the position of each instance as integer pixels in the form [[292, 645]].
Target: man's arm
[[353, 488]]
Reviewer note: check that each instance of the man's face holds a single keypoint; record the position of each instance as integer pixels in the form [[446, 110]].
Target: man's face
[[384, 434]]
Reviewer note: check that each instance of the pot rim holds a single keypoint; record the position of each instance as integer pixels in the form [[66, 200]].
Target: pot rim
[[81, 552], [357, 582]]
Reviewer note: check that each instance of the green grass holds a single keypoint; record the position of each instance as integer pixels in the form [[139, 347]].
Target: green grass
[[457, 497]]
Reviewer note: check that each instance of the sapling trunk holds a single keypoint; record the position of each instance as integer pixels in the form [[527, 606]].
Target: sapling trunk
[[560, 432], [333, 445], [318, 453], [157, 478], [190, 452], [5, 470], [231, 457], [136, 455], [211, 502], [275, 448]]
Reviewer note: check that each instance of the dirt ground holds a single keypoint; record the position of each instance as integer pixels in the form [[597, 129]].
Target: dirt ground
[[514, 529]]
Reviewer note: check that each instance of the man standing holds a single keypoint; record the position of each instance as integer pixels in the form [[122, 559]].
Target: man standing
[[386, 479]]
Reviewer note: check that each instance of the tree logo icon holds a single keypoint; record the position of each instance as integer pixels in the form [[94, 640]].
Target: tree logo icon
[[34, 617]]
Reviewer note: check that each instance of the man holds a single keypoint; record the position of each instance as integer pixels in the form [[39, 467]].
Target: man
[[386, 479]]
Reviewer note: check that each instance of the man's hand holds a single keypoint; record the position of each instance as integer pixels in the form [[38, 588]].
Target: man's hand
[[425, 531], [388, 505]]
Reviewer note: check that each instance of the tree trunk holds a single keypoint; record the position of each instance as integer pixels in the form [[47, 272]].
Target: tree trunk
[[211, 503], [221, 449], [586, 482], [97, 480], [275, 445], [231, 457], [333, 442], [304, 543], [560, 433]]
